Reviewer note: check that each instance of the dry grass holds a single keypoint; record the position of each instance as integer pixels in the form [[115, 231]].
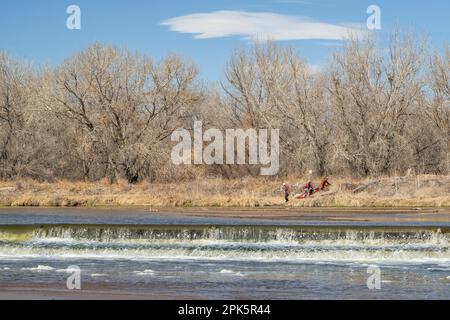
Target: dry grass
[[414, 191]]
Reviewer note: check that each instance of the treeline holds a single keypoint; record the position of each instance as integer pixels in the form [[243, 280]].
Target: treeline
[[109, 113]]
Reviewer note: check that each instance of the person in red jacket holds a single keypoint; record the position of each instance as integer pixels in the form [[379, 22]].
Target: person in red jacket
[[309, 189], [324, 183]]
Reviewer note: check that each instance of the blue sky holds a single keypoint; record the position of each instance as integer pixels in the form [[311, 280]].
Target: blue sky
[[205, 31]]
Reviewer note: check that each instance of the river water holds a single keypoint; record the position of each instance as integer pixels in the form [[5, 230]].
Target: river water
[[139, 254]]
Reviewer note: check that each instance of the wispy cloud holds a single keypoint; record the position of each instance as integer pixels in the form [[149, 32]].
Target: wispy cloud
[[259, 25]]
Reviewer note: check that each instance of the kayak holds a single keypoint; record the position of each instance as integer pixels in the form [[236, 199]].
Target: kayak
[[302, 196]]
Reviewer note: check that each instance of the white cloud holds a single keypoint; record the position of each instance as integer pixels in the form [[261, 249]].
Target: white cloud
[[259, 25]]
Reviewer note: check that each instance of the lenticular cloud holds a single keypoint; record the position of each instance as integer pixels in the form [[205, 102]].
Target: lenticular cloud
[[259, 25]]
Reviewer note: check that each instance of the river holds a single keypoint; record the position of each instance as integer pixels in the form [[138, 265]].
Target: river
[[139, 254]]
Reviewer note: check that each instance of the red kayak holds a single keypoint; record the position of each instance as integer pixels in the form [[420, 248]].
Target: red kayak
[[303, 195]]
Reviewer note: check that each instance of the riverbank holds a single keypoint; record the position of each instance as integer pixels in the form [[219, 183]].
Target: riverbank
[[390, 192]]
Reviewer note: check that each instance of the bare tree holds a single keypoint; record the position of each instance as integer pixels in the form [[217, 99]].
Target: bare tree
[[13, 101], [272, 86], [125, 105], [373, 95], [439, 105]]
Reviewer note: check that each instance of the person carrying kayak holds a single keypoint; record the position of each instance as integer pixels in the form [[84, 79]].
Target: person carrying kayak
[[287, 191], [324, 183], [309, 189]]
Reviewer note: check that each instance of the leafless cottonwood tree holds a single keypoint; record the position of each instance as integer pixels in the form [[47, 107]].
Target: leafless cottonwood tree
[[124, 106], [13, 101], [439, 104], [374, 94], [304, 106], [270, 86]]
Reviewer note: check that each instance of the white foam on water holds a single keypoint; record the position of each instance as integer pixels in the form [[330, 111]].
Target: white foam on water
[[39, 268], [226, 271], [234, 244], [94, 275], [438, 269], [147, 272], [367, 256], [280, 236], [62, 270], [231, 272]]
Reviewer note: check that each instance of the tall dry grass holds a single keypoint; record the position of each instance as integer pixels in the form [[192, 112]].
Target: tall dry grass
[[424, 191]]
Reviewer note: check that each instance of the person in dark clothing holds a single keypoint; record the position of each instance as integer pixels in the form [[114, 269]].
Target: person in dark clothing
[[287, 191]]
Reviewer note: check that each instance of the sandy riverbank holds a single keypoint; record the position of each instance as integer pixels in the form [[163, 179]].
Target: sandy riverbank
[[88, 292]]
